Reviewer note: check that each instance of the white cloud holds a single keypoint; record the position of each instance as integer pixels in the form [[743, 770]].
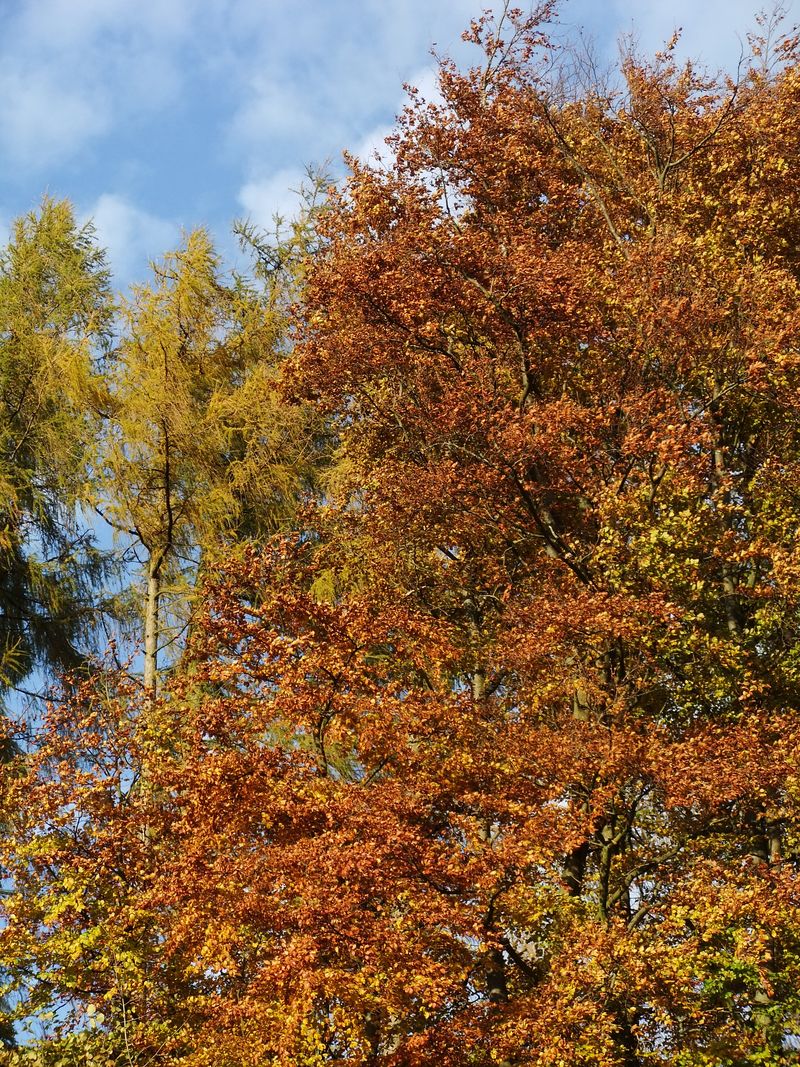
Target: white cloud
[[713, 32], [373, 148], [275, 194], [62, 25], [45, 121], [329, 75], [271, 111], [71, 69], [133, 237]]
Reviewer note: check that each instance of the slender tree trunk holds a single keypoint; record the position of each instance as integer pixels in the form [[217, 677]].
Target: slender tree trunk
[[151, 622]]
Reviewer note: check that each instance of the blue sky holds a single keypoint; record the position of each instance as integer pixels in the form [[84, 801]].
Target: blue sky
[[154, 116]]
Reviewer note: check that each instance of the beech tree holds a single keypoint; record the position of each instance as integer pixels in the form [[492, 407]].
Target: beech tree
[[496, 760]]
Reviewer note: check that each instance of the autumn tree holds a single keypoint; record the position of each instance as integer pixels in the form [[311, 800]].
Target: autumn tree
[[560, 333], [495, 761], [54, 319], [198, 445]]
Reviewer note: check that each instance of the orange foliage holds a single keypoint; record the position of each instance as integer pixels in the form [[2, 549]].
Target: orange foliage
[[497, 764]]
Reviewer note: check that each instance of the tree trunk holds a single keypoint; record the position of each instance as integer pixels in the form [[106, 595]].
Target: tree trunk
[[151, 622]]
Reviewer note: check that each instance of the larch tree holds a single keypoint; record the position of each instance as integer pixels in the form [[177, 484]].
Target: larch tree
[[198, 443], [55, 309]]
